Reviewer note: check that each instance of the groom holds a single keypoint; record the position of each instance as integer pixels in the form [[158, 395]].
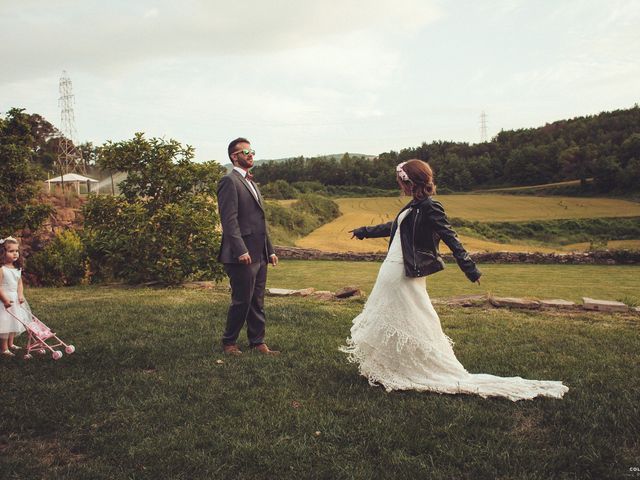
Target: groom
[[245, 250]]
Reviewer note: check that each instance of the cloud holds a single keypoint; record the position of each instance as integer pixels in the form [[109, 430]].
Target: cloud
[[99, 36], [306, 77]]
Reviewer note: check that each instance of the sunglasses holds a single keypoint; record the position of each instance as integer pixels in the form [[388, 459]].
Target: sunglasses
[[246, 151]]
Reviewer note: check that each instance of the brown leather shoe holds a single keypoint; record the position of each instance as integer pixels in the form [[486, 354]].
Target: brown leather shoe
[[264, 349], [231, 350]]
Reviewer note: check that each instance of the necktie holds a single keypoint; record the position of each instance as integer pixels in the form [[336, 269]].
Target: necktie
[[249, 177]]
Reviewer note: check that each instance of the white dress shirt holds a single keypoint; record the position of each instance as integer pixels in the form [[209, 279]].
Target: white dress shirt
[[244, 175]]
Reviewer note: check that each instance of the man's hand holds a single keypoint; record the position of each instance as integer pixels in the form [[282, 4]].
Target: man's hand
[[245, 259], [273, 260]]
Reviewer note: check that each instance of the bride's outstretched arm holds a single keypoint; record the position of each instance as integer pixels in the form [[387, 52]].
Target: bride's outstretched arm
[[374, 231], [450, 238]]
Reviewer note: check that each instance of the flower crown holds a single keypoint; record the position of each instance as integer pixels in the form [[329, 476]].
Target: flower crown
[[401, 173], [8, 239]]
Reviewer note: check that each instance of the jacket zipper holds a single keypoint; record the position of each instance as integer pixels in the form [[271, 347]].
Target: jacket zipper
[[415, 220]]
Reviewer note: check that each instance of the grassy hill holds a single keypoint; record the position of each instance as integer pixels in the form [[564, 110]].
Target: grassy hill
[[356, 212]]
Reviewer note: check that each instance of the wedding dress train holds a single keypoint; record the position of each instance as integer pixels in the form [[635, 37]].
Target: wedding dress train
[[398, 342]]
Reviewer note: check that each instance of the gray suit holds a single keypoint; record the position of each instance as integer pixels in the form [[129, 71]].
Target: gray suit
[[244, 230]]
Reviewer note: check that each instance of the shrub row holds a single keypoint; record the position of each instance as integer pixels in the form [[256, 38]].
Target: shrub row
[[554, 231]]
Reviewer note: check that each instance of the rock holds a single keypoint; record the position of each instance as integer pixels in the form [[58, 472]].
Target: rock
[[514, 302], [346, 292], [305, 292], [603, 305], [558, 303], [466, 300], [280, 292], [636, 309], [204, 284], [322, 295]]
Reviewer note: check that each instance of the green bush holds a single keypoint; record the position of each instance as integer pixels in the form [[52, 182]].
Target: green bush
[[286, 224], [61, 262], [279, 190], [164, 227], [322, 207], [168, 245], [310, 187]]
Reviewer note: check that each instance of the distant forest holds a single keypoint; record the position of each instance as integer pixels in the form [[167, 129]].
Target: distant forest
[[604, 147]]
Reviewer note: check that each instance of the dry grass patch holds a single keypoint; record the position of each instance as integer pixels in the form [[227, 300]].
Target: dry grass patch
[[335, 237]]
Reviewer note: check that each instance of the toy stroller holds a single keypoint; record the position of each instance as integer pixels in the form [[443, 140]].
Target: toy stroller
[[38, 335]]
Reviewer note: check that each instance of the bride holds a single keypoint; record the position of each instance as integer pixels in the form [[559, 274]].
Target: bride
[[397, 340]]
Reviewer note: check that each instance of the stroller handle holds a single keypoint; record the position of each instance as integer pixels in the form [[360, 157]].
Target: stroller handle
[[16, 316]]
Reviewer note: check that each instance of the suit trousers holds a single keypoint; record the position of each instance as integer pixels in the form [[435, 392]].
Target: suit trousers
[[248, 284]]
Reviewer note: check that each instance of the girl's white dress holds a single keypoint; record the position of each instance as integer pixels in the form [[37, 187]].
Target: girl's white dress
[[398, 342], [9, 286]]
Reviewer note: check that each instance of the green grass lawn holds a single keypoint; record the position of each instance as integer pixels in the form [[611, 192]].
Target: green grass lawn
[[143, 397]]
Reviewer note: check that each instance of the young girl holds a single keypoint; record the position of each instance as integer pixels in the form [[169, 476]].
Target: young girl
[[11, 295], [397, 340]]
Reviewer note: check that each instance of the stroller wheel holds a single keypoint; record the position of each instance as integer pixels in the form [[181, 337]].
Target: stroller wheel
[[42, 351], [70, 349], [57, 355], [28, 356]]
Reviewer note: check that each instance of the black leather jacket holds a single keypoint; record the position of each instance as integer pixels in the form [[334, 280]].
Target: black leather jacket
[[421, 231]]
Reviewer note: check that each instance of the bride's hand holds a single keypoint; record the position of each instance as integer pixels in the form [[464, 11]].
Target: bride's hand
[[353, 234]]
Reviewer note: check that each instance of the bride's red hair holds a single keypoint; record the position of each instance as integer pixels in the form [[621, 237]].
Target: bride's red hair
[[421, 179]]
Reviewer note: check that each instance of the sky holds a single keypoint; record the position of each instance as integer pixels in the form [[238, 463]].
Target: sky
[[303, 77]]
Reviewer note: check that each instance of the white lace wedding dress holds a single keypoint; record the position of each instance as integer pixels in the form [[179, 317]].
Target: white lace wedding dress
[[398, 342]]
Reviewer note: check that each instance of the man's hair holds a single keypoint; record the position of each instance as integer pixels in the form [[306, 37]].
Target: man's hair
[[232, 146]]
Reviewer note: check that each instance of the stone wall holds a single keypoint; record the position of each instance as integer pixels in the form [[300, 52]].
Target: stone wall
[[604, 257]]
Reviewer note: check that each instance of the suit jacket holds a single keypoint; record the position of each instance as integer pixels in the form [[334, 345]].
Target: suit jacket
[[244, 227]]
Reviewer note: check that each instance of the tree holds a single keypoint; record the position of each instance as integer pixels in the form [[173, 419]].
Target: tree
[[575, 162], [607, 173], [630, 148], [454, 173], [20, 178], [164, 225], [45, 142], [525, 166], [631, 175]]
